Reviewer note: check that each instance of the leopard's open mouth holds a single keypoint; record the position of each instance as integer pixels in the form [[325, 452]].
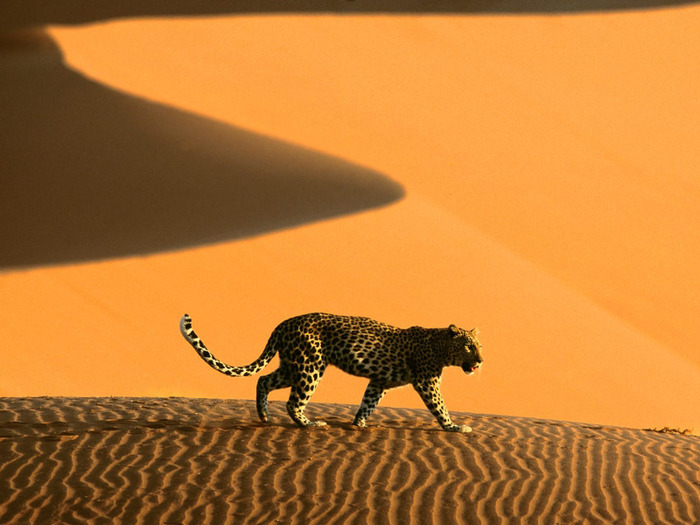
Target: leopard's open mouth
[[470, 368]]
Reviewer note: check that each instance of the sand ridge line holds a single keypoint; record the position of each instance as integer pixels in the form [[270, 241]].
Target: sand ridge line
[[210, 461]]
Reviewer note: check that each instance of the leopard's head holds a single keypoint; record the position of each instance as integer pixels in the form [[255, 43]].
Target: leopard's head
[[466, 349]]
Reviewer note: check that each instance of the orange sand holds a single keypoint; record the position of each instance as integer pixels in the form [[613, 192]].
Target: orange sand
[[533, 175], [145, 460]]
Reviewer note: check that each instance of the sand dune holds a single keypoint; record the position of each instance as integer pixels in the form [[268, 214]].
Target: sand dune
[[546, 166], [90, 173], [521, 127], [150, 460]]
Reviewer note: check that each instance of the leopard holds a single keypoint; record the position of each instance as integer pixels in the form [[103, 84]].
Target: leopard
[[388, 356]]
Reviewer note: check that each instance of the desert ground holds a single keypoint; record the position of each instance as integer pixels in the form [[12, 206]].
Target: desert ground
[[528, 170], [177, 460]]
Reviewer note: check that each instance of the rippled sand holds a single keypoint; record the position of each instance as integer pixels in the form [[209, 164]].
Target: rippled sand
[[179, 460]]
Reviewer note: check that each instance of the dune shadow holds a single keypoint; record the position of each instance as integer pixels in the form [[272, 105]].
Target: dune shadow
[[91, 173], [24, 13]]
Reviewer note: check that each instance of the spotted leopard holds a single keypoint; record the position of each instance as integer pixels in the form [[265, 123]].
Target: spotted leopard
[[388, 356]]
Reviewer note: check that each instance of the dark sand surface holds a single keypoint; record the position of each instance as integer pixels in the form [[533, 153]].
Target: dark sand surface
[[92, 173], [23, 13], [179, 460]]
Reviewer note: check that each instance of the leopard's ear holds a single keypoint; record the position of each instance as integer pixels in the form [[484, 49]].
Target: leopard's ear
[[454, 329], [474, 331]]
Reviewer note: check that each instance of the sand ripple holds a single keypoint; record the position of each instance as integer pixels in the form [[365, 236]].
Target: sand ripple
[[145, 460]]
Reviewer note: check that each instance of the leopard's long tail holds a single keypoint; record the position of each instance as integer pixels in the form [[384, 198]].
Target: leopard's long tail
[[233, 371]]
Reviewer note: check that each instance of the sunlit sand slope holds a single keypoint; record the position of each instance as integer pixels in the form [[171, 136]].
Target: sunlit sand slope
[[533, 175]]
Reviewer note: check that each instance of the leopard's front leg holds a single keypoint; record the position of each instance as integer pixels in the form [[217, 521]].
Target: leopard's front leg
[[429, 390]]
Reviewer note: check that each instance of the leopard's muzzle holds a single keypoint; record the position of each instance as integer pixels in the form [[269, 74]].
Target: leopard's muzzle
[[471, 367]]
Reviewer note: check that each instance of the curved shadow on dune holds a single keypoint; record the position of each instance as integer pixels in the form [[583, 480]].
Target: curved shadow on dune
[[24, 13], [91, 173]]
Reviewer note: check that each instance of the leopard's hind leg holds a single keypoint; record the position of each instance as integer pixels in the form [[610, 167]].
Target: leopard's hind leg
[[280, 378], [303, 387]]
